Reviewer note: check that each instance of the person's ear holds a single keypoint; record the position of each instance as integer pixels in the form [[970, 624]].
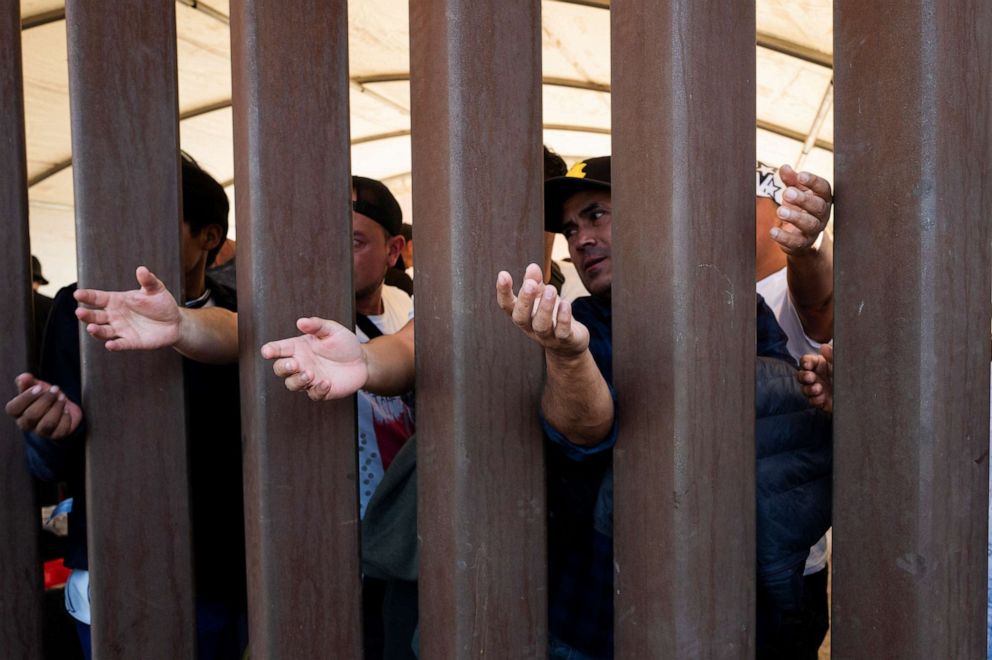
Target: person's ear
[[394, 246], [210, 237]]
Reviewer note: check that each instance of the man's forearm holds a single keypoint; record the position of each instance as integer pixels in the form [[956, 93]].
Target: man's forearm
[[576, 398], [208, 335], [391, 365], [811, 285]]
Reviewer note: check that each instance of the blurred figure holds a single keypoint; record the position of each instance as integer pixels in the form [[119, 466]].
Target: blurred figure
[[42, 308]]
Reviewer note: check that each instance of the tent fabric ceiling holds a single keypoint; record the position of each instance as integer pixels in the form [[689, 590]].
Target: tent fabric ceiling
[[794, 87]]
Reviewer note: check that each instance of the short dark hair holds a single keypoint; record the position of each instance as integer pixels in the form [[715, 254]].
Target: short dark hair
[[554, 165], [204, 202]]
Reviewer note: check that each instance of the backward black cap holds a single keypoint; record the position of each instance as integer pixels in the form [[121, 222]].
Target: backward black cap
[[373, 199], [589, 174]]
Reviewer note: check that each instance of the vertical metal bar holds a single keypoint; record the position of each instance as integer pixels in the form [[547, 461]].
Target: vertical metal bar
[[684, 338], [476, 112], [913, 164], [20, 571], [290, 62], [125, 140]]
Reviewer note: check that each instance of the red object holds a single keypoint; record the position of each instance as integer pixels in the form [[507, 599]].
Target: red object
[[56, 574]]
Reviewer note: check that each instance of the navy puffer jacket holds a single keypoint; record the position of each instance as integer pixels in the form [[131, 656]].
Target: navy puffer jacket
[[794, 470]]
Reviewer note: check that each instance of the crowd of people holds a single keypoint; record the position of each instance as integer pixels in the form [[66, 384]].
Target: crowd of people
[[564, 307]]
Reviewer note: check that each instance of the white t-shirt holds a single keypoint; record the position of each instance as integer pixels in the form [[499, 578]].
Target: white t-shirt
[[382, 420], [775, 290]]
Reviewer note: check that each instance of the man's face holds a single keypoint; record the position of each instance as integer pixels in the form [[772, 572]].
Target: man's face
[[192, 249], [587, 224], [373, 251]]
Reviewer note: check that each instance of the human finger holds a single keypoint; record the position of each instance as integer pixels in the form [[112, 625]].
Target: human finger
[[808, 201], [807, 377], [16, 406], [563, 324], [93, 297], [29, 418], [95, 315], [49, 421], [802, 220], [819, 185], [522, 310], [534, 272], [318, 327], [64, 426], [543, 319], [319, 390], [789, 240], [103, 332], [150, 284], [285, 368], [504, 291], [278, 349], [827, 351], [297, 382], [25, 381]]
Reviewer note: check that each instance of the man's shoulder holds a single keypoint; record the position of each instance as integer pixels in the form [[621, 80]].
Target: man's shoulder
[[594, 313], [396, 301], [221, 294]]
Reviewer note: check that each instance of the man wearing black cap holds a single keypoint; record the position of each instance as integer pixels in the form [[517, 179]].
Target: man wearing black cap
[[578, 416]]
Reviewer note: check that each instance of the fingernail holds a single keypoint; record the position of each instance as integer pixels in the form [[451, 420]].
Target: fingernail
[[61, 397], [775, 232], [36, 389], [803, 177], [791, 194], [782, 213], [54, 390], [305, 378], [529, 286], [549, 292], [288, 364]]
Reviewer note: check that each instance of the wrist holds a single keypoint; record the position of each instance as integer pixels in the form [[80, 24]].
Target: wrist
[[564, 359], [181, 328]]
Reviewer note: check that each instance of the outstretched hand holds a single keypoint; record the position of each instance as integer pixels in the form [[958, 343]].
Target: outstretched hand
[[805, 210], [327, 360], [816, 374], [43, 409], [549, 322], [140, 319]]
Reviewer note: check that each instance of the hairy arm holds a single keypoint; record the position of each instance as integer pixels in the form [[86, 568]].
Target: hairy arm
[[810, 268], [576, 399]]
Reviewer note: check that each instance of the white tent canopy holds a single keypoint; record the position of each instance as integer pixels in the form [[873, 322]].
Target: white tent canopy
[[794, 96]]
